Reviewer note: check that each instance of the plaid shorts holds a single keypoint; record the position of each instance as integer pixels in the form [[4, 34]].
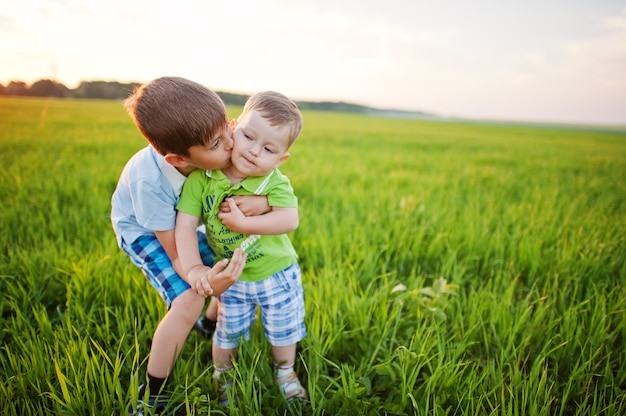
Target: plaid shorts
[[148, 254], [281, 299]]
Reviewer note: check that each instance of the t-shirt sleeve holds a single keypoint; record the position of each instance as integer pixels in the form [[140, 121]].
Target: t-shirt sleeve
[[190, 201], [282, 195], [153, 210]]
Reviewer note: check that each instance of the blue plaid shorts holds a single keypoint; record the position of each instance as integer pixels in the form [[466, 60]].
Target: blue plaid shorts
[[148, 254], [281, 299]]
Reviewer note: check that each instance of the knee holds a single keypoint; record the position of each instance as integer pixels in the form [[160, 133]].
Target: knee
[[188, 306]]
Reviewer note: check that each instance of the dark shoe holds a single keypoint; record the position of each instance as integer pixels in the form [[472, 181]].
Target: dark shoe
[[152, 405], [205, 326]]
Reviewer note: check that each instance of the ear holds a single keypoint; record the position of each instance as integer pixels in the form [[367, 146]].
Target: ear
[[283, 159], [233, 124], [176, 160]]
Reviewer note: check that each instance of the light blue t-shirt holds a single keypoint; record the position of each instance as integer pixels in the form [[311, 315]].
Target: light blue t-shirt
[[146, 196]]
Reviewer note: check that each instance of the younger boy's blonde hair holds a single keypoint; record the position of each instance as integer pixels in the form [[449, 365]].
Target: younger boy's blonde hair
[[278, 109]]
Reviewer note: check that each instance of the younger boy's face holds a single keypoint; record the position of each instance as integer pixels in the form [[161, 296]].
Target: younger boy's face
[[215, 154], [258, 147]]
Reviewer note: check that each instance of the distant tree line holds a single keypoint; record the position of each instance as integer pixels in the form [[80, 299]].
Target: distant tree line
[[114, 90], [86, 89], [107, 90]]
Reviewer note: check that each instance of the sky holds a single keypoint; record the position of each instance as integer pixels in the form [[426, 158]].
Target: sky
[[560, 61]]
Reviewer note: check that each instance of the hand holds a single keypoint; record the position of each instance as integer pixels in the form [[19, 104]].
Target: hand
[[221, 278], [250, 205], [198, 278], [233, 218]]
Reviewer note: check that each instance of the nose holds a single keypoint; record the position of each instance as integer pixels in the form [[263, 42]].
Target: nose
[[254, 150]]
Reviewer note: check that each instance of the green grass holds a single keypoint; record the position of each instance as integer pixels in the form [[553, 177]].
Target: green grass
[[449, 268]]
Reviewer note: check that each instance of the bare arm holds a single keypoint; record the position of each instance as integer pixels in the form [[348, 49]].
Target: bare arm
[[204, 280], [277, 221], [187, 242], [250, 205]]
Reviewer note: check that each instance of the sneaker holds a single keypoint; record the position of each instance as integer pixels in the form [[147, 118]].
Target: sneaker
[[291, 388], [205, 326], [223, 392], [152, 405]]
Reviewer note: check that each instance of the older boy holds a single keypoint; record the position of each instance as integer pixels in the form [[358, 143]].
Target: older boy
[[186, 126], [267, 127]]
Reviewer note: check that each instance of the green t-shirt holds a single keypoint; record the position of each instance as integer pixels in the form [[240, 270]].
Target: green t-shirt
[[202, 194]]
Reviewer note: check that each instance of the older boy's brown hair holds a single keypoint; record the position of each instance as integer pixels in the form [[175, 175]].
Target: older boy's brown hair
[[175, 113], [278, 109]]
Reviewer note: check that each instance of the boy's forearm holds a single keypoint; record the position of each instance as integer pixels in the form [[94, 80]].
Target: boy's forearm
[[187, 242], [250, 205], [278, 221], [189, 253]]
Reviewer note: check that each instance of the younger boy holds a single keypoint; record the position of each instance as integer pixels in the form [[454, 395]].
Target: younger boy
[[187, 128], [267, 127]]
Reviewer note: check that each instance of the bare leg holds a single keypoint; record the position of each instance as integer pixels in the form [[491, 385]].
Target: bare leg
[[284, 356], [222, 358], [172, 332], [211, 311]]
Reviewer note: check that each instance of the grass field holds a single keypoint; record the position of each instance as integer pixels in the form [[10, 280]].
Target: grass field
[[449, 268]]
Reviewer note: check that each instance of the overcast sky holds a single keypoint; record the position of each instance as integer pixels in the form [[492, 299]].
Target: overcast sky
[[535, 60]]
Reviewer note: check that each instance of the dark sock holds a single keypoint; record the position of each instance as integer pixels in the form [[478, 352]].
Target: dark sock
[[154, 384], [209, 323]]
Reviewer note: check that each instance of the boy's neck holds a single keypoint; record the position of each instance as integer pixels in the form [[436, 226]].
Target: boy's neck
[[186, 170], [233, 174]]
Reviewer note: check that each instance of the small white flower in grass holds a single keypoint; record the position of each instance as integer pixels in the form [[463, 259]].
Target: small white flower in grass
[[431, 299], [398, 288], [409, 205], [441, 286]]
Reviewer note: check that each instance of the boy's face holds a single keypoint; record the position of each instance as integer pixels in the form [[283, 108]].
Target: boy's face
[[213, 155], [258, 146]]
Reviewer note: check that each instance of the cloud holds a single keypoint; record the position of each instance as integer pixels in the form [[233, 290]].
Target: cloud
[[526, 60], [596, 62], [601, 60]]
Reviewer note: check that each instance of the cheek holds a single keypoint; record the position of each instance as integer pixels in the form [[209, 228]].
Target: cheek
[[240, 147]]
